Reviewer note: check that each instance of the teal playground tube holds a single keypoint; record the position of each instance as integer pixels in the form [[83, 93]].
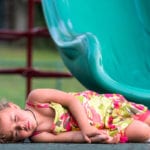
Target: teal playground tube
[[104, 43]]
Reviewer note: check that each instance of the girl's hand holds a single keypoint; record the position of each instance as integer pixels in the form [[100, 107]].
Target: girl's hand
[[109, 140], [94, 134], [113, 140]]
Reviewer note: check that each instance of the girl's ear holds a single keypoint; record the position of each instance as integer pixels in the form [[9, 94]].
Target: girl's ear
[[12, 105]]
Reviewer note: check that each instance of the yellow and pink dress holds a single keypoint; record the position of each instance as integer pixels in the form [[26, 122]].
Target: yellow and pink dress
[[104, 111]]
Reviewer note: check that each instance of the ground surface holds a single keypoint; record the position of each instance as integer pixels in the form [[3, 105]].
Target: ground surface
[[45, 146]]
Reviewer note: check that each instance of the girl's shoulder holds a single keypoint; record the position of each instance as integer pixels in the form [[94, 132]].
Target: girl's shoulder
[[36, 104]]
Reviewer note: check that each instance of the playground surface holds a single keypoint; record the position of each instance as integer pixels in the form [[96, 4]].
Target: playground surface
[[60, 146]]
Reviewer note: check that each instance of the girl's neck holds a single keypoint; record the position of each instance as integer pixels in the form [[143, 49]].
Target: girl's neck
[[34, 116]]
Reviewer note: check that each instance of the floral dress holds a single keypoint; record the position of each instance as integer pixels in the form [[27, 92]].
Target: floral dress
[[104, 111]]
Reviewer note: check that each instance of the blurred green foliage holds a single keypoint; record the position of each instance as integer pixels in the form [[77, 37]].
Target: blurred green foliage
[[13, 87]]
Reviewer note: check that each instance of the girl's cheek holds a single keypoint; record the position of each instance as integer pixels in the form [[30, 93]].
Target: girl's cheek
[[23, 134]]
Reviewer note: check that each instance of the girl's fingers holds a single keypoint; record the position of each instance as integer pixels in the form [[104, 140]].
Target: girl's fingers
[[105, 139], [99, 138], [87, 139], [113, 140]]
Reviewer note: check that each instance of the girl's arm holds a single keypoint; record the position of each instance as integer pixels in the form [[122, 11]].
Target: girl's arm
[[66, 137], [69, 101]]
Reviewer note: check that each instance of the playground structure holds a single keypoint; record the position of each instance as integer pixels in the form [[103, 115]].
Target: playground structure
[[105, 44], [33, 32]]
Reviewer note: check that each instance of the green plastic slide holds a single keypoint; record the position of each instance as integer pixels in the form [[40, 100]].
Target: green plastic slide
[[104, 43]]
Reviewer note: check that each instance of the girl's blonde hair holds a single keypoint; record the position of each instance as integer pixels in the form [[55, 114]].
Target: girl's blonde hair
[[3, 105]]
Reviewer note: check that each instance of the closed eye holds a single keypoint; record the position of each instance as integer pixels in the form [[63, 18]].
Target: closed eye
[[15, 136]]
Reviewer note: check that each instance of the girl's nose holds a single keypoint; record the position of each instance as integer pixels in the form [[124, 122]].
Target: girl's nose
[[20, 126]]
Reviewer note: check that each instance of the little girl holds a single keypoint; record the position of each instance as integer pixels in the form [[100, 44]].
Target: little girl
[[54, 116]]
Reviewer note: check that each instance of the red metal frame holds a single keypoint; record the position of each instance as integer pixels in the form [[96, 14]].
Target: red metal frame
[[28, 71]]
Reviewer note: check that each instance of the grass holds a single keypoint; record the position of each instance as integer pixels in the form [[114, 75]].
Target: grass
[[13, 87]]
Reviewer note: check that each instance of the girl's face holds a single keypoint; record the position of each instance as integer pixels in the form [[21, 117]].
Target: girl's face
[[16, 124]]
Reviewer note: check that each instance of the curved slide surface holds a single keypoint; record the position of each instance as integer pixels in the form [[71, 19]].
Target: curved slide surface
[[104, 44]]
